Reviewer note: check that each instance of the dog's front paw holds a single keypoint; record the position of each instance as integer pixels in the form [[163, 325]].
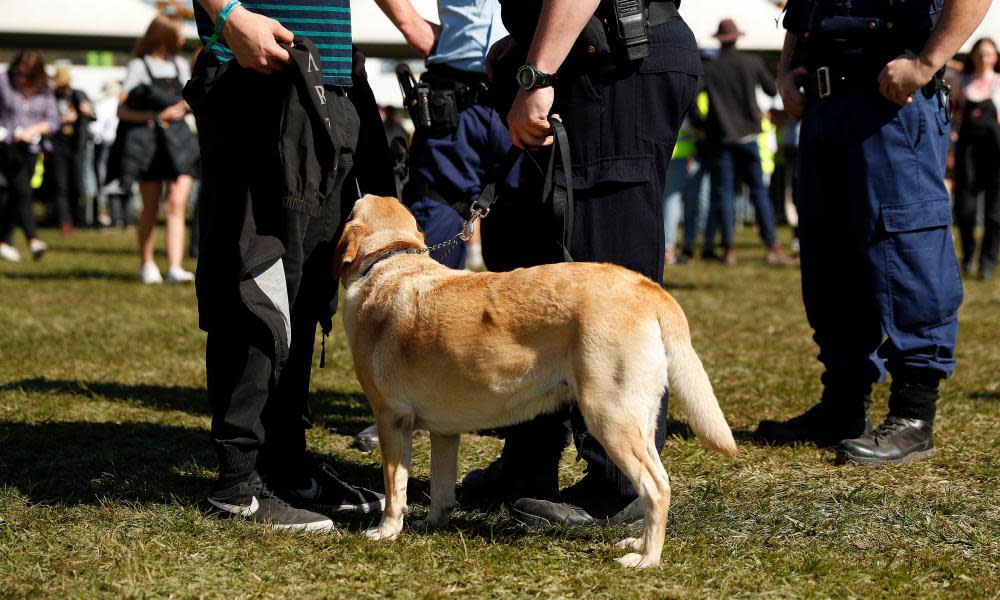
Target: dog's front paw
[[629, 544], [637, 561], [376, 534]]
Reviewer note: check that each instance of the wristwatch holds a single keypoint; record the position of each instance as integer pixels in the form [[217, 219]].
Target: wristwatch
[[529, 78]]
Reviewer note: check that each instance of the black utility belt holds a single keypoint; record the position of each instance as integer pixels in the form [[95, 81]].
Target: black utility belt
[[435, 102], [829, 82]]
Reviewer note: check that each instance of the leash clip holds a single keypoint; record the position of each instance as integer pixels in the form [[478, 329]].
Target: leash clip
[[470, 226]]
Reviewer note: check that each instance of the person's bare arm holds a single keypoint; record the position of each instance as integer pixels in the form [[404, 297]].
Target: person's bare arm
[[253, 38], [789, 79], [908, 73], [559, 26], [131, 115], [420, 34]]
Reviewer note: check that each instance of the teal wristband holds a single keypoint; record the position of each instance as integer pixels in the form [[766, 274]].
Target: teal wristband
[[220, 22]]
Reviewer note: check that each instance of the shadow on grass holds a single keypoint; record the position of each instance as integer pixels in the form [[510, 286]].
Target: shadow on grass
[[984, 395], [70, 463], [187, 399], [81, 274], [344, 413], [110, 251]]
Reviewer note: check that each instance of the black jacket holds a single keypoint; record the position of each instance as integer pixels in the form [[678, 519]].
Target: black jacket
[[731, 81], [279, 181]]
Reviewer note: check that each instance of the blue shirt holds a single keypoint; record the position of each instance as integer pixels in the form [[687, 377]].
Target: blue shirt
[[468, 29], [326, 22]]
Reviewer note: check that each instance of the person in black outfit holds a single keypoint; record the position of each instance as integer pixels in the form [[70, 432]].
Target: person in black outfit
[[977, 156], [68, 147], [287, 145], [732, 128], [622, 116]]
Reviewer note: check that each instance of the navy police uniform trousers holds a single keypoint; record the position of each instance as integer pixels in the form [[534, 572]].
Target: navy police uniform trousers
[[457, 166], [621, 132], [880, 279]]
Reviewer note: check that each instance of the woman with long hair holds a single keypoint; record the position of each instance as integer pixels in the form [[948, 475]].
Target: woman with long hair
[[977, 156], [162, 74], [28, 114]]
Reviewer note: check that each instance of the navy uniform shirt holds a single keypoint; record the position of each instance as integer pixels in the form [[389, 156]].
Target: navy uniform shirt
[[326, 22]]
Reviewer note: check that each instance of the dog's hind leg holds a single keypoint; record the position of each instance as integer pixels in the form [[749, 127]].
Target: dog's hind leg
[[444, 472], [394, 439], [626, 439], [639, 543]]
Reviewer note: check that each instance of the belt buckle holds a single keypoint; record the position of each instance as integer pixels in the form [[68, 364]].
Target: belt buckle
[[823, 82]]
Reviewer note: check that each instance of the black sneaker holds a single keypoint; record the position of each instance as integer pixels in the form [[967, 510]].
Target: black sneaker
[[500, 482], [317, 486], [253, 501], [897, 441], [825, 424]]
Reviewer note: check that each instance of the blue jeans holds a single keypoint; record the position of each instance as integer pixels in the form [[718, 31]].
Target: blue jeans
[[677, 177], [691, 190], [727, 162]]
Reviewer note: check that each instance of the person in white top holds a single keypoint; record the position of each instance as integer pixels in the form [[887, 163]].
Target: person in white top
[[157, 64]]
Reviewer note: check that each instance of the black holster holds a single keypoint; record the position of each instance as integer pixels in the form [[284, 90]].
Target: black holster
[[441, 94]]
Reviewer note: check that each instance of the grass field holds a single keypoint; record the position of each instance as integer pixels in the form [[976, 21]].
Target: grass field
[[104, 457]]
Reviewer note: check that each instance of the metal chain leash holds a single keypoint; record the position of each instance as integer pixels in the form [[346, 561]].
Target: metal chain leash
[[468, 229]]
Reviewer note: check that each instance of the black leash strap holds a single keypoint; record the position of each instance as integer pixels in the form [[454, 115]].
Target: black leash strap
[[489, 193], [560, 197]]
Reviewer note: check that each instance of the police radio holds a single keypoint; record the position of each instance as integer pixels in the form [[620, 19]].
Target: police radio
[[630, 27], [416, 96]]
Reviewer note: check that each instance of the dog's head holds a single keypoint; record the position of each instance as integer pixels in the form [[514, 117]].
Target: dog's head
[[377, 224]]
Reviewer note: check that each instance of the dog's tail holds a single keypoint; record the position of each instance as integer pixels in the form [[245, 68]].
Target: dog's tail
[[689, 384]]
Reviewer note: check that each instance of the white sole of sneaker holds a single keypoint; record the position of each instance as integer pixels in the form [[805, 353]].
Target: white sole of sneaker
[[316, 527]]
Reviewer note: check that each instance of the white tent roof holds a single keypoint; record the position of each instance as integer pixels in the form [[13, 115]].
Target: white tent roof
[[760, 20], [756, 18], [104, 18]]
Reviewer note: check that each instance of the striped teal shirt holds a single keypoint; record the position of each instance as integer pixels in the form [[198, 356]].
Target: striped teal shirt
[[326, 22]]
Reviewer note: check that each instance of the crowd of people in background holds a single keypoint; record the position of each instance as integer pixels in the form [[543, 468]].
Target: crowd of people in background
[[58, 146], [734, 161]]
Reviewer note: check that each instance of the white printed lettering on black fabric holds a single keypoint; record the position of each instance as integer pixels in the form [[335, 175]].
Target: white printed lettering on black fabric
[[312, 65], [327, 122], [321, 92]]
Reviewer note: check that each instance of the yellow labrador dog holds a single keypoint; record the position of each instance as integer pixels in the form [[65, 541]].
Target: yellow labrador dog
[[455, 351]]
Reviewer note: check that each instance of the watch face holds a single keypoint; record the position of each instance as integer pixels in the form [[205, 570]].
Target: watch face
[[526, 77]]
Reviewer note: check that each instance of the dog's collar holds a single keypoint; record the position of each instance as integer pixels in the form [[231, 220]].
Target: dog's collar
[[385, 254]]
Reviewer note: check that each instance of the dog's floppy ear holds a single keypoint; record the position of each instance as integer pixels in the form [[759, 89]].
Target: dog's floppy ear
[[346, 253]]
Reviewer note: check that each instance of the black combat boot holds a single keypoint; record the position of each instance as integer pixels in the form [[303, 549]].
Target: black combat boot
[[507, 479], [586, 503], [841, 414], [907, 433]]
